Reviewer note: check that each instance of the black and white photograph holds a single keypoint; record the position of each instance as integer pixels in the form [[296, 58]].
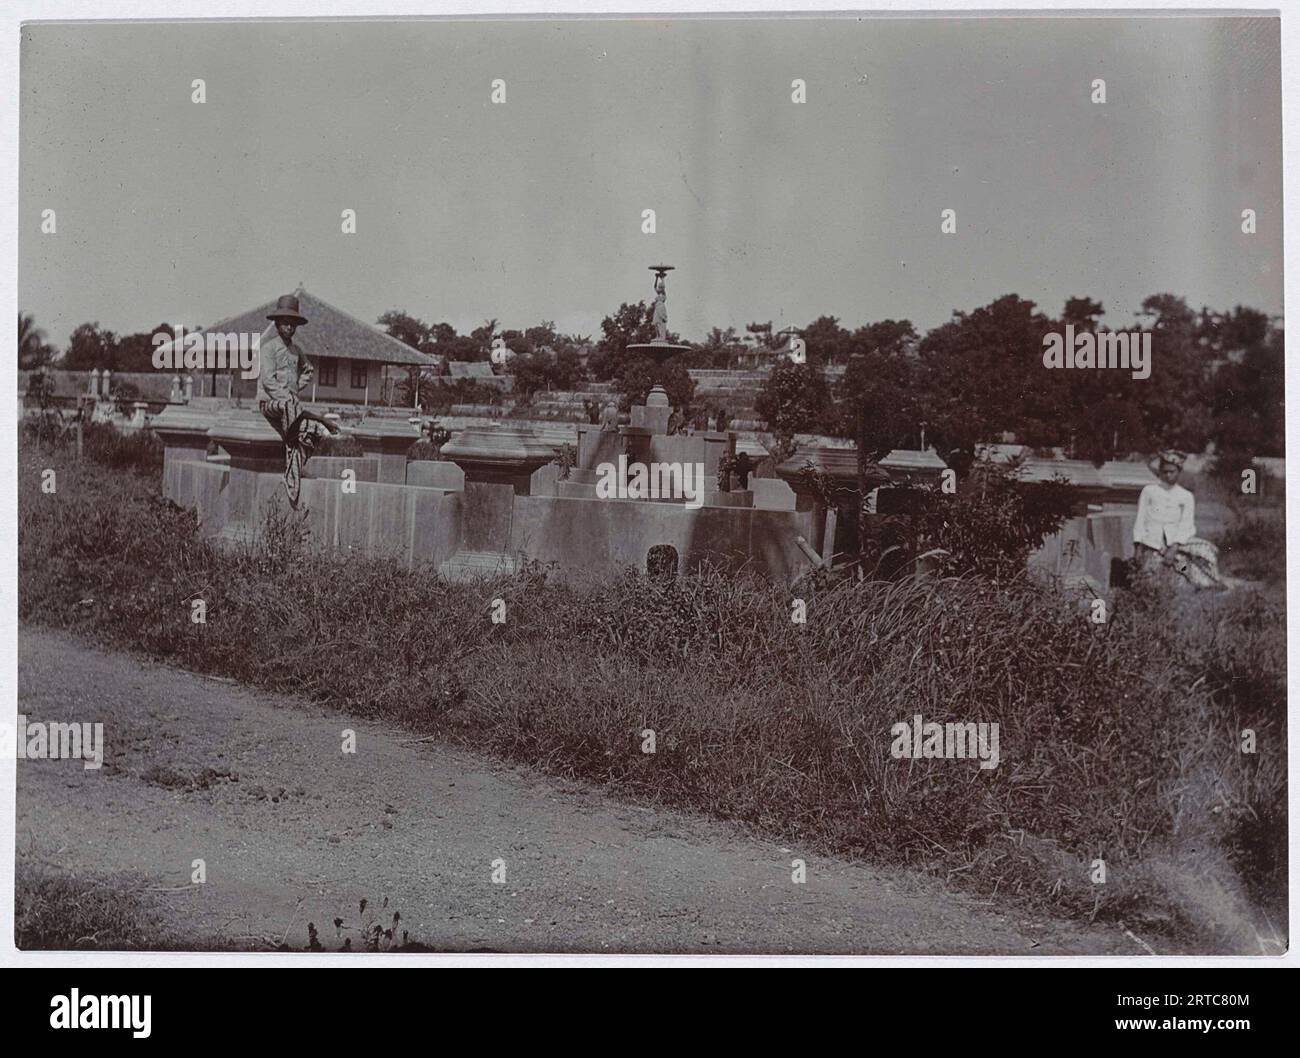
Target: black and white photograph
[[777, 485]]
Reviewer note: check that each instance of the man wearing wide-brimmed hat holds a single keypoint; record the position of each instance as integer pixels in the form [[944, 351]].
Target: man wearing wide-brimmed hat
[[285, 370]]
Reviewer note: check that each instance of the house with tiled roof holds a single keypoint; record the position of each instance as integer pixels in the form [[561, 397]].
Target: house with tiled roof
[[356, 362]]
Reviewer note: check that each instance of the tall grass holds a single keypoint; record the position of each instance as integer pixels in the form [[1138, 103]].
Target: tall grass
[[1120, 742]]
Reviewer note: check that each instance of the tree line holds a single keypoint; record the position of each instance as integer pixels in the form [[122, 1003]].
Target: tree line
[[1217, 376], [1216, 379]]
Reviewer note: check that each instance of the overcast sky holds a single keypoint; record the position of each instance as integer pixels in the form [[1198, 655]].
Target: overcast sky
[[531, 210]]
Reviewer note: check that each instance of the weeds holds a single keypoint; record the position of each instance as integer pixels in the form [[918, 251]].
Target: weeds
[[1120, 742]]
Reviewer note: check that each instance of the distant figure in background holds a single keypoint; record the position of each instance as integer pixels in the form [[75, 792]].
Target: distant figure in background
[[676, 421], [285, 370], [592, 408], [609, 418], [743, 469], [1164, 532], [724, 420]]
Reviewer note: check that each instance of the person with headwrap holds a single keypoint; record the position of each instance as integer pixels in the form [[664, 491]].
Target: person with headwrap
[[1164, 532]]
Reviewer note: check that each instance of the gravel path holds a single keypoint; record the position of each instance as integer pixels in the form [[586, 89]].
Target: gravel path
[[292, 830]]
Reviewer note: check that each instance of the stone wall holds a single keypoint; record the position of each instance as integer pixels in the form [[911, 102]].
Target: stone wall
[[1083, 551], [435, 514]]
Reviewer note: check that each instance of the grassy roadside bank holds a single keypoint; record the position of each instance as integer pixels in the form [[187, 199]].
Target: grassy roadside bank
[[1118, 742]]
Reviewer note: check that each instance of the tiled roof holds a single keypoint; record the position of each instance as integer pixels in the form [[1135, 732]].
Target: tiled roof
[[330, 332]]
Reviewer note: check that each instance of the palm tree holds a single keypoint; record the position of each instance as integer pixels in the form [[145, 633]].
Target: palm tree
[[33, 352]]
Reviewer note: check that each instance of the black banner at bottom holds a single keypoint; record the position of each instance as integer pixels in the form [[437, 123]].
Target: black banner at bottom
[[1220, 1006]]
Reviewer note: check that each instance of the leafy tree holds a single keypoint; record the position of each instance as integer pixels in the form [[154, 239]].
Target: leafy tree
[[1247, 392], [991, 524], [33, 350], [719, 350], [640, 374], [632, 323], [827, 341], [545, 369], [414, 332], [1173, 404], [794, 399], [879, 402], [90, 347], [764, 334], [543, 334], [1082, 313], [890, 337], [982, 373], [135, 351], [438, 339]]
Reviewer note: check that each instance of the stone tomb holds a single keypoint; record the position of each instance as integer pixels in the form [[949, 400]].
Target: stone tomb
[[494, 502]]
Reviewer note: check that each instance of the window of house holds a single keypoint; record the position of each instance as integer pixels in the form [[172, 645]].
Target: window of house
[[358, 375], [329, 373]]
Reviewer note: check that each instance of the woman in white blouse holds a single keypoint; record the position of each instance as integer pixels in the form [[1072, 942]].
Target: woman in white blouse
[[1165, 528]]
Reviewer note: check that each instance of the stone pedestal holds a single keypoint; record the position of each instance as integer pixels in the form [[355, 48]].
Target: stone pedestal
[[716, 445], [636, 444], [735, 498], [595, 447], [256, 475], [772, 494], [438, 474], [388, 441], [653, 415], [183, 433], [502, 455]]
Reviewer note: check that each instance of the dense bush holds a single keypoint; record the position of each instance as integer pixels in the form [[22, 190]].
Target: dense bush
[[339, 444], [639, 374], [545, 370], [1118, 741], [437, 395], [102, 443], [991, 523], [794, 399]]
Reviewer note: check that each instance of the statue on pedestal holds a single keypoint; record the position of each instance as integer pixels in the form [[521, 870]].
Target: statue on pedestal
[[660, 318]]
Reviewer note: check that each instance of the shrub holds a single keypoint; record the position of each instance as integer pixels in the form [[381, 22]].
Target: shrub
[[1255, 547], [640, 374], [339, 445], [794, 399], [58, 911], [545, 369], [1118, 741], [991, 523], [437, 395], [103, 443]]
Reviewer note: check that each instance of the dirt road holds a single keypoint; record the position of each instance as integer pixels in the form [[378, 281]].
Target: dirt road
[[292, 830]]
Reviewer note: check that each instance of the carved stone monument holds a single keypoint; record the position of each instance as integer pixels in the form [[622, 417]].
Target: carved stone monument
[[660, 348]]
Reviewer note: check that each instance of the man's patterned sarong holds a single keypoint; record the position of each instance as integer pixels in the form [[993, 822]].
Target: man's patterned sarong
[[299, 435]]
